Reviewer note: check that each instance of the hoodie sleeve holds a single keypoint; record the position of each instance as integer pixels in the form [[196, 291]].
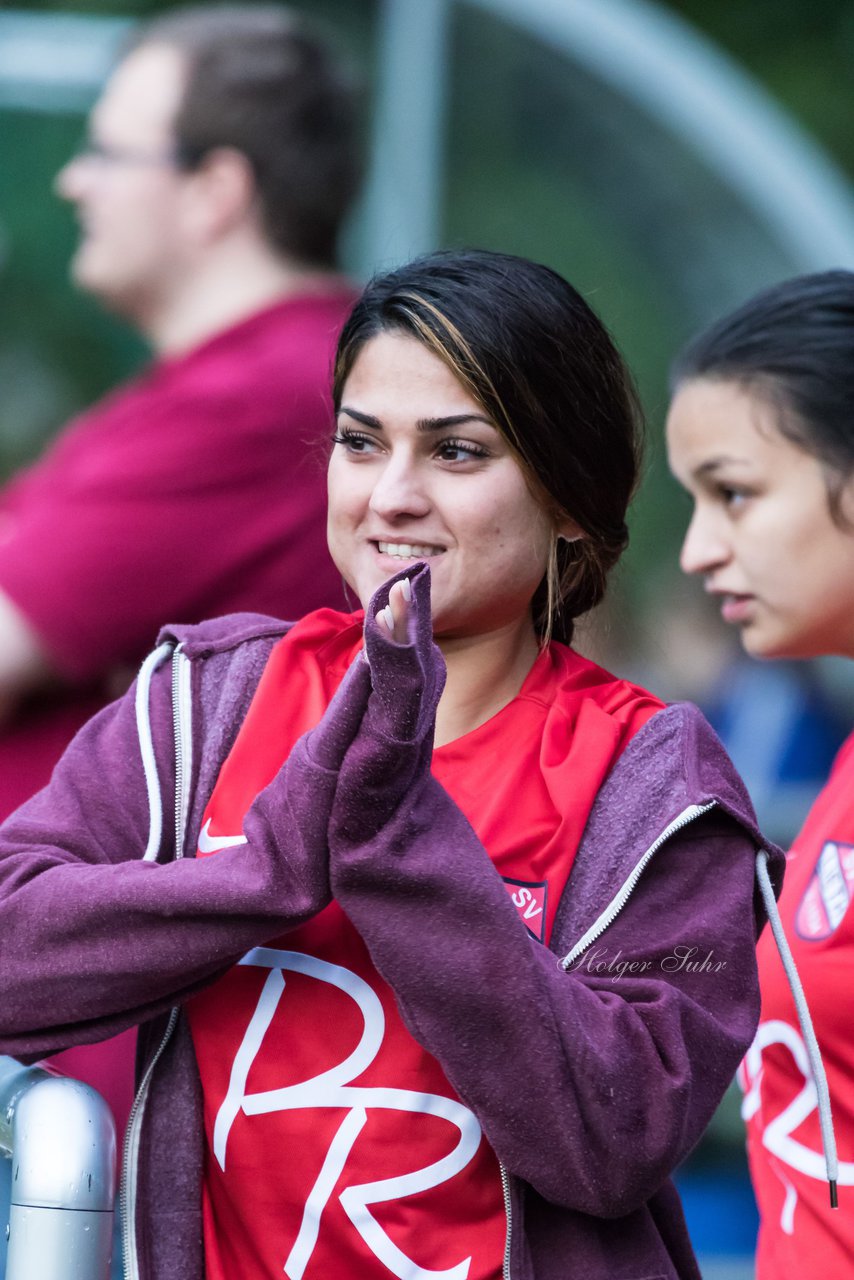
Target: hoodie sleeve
[[591, 1084], [92, 938]]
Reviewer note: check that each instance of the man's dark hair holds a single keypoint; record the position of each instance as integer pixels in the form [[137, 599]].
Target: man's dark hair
[[263, 83], [538, 359]]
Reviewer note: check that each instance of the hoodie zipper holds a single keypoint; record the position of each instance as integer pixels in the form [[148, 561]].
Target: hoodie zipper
[[625, 891], [181, 712], [127, 1194], [608, 916], [508, 1210]]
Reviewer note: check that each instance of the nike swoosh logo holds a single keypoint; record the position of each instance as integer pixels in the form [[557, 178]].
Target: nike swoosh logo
[[210, 844]]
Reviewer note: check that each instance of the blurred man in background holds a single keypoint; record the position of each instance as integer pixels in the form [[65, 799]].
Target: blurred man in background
[[221, 160]]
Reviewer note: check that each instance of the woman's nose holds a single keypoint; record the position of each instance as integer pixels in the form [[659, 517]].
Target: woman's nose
[[67, 182], [400, 490], [703, 548]]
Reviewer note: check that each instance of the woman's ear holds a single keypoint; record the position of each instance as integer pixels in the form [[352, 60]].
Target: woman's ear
[[569, 531], [845, 502]]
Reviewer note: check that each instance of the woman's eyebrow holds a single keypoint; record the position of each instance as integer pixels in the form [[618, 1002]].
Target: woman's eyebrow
[[423, 424], [722, 460], [453, 420], [366, 419]]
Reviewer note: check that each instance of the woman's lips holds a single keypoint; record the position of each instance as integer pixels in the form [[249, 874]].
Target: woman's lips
[[736, 608], [409, 550]]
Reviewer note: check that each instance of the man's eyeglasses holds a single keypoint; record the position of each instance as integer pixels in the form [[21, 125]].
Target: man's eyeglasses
[[102, 153]]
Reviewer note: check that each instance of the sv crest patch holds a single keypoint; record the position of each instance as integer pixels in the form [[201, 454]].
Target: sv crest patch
[[830, 889], [529, 899]]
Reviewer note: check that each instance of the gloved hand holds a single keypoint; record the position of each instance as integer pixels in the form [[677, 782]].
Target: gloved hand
[[293, 813], [389, 757]]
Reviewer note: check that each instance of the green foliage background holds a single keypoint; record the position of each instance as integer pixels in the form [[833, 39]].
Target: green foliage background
[[517, 119], [514, 127]]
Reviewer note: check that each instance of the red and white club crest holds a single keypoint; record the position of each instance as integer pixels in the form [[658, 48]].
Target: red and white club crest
[[529, 899], [828, 893]]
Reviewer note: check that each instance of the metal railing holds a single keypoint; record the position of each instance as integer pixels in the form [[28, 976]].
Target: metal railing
[[61, 1138]]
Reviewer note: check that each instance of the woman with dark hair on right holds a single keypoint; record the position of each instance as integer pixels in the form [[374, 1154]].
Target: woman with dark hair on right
[[761, 434], [450, 954]]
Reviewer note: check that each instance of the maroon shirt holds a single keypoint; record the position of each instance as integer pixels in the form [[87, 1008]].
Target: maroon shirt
[[197, 489]]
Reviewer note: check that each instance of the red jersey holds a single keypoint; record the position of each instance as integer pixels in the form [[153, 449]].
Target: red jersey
[[800, 1235], [336, 1145]]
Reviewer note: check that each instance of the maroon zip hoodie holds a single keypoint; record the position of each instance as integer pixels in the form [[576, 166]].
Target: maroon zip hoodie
[[593, 1065]]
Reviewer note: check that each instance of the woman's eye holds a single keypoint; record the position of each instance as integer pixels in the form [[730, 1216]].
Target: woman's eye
[[459, 451], [354, 441], [732, 496]]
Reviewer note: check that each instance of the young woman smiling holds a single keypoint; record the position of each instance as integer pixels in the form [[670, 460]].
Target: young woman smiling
[[370, 1045], [761, 434]]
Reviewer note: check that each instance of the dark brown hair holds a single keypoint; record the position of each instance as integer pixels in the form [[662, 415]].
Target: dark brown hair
[[261, 82], [793, 346], [544, 368]]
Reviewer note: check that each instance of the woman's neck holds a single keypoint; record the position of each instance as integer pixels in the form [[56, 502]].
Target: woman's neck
[[484, 673]]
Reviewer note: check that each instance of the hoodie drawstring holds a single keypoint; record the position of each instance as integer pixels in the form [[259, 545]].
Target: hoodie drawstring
[[825, 1118], [146, 747]]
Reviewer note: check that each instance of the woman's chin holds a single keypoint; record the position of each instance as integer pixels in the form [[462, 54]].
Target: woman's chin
[[764, 645]]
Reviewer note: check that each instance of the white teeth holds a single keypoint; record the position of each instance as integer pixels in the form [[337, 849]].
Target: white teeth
[[408, 550]]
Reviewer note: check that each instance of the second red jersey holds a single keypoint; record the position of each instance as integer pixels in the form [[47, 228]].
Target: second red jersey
[[800, 1235]]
